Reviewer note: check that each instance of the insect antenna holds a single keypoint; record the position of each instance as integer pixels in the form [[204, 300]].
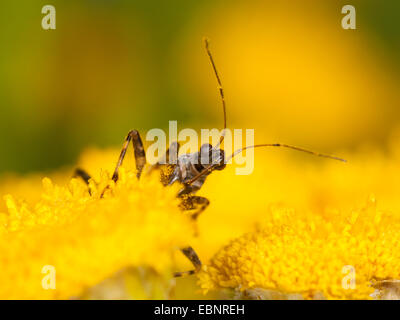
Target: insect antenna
[[284, 146], [220, 88], [213, 165], [210, 167]]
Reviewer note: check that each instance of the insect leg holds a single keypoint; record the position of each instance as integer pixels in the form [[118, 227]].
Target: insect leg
[[170, 157], [197, 203], [194, 259], [190, 202], [140, 155], [187, 190], [80, 173]]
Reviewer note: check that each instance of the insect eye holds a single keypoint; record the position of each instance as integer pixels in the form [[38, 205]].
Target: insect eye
[[222, 155]]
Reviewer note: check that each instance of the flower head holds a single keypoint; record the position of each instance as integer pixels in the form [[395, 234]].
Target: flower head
[[87, 238], [308, 254]]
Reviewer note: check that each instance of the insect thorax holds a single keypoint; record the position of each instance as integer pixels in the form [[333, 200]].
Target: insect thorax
[[184, 170]]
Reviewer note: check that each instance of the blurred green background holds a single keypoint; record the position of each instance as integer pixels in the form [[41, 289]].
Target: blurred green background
[[288, 68]]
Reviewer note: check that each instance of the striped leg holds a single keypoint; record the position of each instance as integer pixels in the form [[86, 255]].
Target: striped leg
[[169, 159], [140, 155], [197, 203], [194, 259], [80, 173], [190, 202]]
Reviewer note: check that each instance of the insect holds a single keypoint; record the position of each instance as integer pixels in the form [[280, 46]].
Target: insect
[[187, 169]]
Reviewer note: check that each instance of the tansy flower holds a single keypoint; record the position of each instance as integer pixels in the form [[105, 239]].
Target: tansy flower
[[306, 255], [103, 238], [87, 239], [291, 180]]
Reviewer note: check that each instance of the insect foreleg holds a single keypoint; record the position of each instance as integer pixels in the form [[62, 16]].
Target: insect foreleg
[[187, 190], [140, 156], [194, 259], [196, 203], [199, 204]]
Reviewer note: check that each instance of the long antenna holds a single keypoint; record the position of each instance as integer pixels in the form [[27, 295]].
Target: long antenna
[[211, 166], [285, 146], [221, 90]]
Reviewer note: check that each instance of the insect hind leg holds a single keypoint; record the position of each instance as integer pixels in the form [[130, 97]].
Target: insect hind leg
[[140, 154]]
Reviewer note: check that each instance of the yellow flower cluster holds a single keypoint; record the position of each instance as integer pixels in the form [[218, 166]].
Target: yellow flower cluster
[[301, 252], [323, 203], [85, 238], [298, 181]]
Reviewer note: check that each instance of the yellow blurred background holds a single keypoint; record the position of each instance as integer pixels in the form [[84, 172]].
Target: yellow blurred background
[[289, 70]]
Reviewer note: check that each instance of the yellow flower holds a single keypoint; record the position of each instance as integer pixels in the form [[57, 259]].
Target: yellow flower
[[88, 239], [310, 255], [328, 228], [281, 177]]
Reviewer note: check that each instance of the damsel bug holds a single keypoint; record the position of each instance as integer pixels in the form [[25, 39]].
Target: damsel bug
[[187, 169]]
